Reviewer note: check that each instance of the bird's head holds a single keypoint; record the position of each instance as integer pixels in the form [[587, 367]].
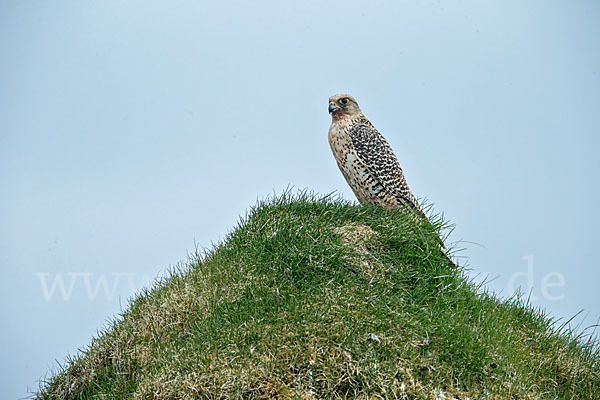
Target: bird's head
[[343, 105]]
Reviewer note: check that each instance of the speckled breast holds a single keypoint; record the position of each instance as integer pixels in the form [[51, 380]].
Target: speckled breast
[[354, 169]]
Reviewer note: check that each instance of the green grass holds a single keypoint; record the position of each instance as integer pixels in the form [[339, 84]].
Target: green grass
[[315, 298]]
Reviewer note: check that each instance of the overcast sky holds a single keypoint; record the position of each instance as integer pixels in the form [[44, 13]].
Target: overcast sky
[[132, 132]]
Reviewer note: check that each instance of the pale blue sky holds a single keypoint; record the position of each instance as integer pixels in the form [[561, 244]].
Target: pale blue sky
[[132, 131]]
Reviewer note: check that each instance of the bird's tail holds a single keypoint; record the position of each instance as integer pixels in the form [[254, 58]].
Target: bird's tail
[[417, 210]]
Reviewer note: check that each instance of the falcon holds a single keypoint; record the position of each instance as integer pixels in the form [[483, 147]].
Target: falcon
[[365, 158]]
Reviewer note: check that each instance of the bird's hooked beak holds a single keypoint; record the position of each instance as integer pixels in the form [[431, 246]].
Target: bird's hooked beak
[[333, 106]]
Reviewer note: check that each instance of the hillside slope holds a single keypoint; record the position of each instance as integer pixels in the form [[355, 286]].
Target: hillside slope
[[316, 298]]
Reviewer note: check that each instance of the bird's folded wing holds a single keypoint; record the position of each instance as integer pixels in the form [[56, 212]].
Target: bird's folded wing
[[378, 156]]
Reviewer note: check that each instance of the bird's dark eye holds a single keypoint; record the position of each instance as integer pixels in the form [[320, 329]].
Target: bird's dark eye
[[344, 101]]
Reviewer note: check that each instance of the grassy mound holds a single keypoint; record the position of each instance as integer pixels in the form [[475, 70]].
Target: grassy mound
[[319, 299]]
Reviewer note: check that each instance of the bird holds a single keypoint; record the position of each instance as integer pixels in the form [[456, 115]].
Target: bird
[[367, 160]]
